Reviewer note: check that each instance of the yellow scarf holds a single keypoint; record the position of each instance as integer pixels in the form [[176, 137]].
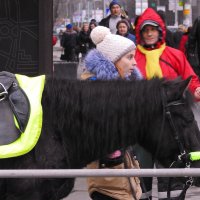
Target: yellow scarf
[[152, 61]]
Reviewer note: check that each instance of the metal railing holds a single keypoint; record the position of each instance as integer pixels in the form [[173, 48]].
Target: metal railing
[[70, 173]]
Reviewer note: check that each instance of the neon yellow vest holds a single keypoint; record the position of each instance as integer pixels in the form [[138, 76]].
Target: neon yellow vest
[[33, 87]]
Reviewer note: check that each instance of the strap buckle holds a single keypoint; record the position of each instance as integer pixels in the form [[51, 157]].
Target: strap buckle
[[182, 156], [190, 181], [3, 92]]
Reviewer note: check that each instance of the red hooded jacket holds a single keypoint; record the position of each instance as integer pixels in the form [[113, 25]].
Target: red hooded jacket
[[173, 62]]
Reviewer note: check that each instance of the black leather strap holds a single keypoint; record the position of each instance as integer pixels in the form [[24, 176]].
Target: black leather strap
[[16, 103], [8, 130], [110, 162]]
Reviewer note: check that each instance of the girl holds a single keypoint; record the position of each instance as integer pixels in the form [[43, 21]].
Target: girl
[[113, 58]]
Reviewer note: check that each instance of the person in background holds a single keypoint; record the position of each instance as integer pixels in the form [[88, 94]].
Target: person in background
[[113, 59], [123, 30], [126, 15], [182, 28], [134, 24], [155, 59], [60, 34], [194, 38], [84, 39], [184, 40], [193, 47], [115, 16], [69, 43], [169, 34], [92, 25], [93, 21], [77, 29], [178, 35], [54, 40]]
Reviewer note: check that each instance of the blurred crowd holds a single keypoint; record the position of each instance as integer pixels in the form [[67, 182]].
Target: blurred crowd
[[75, 40]]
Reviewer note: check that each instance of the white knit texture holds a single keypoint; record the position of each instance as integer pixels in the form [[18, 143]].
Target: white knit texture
[[110, 45], [98, 34]]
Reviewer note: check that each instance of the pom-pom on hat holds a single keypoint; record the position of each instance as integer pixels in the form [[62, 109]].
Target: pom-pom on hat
[[69, 26], [114, 2], [111, 46]]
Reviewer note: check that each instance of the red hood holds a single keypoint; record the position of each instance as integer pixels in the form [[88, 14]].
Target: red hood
[[150, 14]]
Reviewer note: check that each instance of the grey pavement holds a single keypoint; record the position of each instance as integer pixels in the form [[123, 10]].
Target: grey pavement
[[57, 50], [80, 188], [80, 191]]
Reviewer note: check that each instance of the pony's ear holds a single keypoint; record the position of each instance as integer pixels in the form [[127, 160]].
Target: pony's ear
[[184, 85], [177, 88]]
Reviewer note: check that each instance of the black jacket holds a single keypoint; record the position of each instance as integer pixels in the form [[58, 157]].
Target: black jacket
[[169, 38], [84, 41], [193, 46], [69, 40], [194, 38]]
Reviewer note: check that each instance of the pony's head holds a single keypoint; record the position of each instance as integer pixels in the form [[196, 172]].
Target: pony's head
[[177, 128]]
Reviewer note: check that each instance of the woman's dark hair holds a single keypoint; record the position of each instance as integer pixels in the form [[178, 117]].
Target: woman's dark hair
[[124, 21], [93, 23]]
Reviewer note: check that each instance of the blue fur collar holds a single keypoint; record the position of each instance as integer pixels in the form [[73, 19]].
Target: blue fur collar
[[100, 66], [97, 64]]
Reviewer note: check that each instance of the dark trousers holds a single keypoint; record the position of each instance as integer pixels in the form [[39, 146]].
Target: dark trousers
[[99, 196], [70, 55]]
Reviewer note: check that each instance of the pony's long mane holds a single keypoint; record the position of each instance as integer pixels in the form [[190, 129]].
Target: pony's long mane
[[88, 113]]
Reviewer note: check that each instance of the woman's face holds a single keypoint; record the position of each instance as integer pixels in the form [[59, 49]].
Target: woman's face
[[150, 34], [92, 26], [85, 27], [122, 29], [126, 64]]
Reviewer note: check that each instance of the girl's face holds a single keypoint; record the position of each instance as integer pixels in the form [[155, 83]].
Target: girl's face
[[126, 64], [122, 29]]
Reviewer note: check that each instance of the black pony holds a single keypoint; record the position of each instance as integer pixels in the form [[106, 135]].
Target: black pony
[[84, 121]]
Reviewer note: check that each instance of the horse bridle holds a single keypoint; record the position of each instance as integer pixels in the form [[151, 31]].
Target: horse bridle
[[183, 157]]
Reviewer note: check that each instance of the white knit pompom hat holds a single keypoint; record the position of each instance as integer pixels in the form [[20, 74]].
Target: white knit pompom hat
[[110, 45]]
